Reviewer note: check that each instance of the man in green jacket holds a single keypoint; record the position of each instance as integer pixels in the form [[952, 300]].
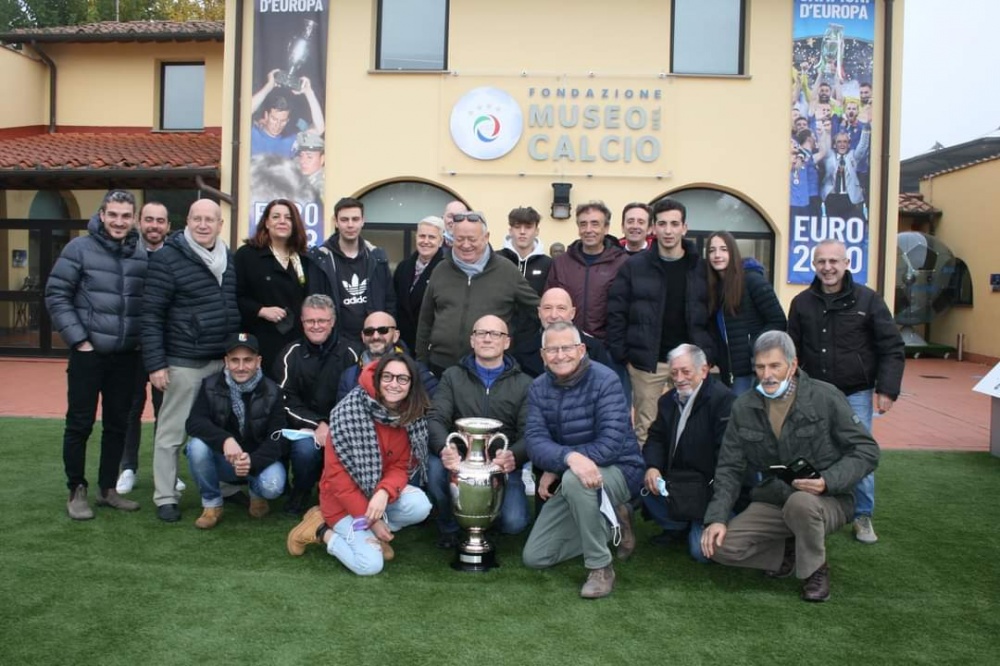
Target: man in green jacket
[[789, 417], [471, 282]]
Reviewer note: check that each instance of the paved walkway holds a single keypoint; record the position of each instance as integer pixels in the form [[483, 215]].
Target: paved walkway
[[937, 410]]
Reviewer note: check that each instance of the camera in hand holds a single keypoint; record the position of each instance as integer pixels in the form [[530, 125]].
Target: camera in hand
[[797, 469]]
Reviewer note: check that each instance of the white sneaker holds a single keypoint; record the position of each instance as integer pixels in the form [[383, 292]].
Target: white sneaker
[[528, 479], [180, 486], [126, 481], [863, 530]]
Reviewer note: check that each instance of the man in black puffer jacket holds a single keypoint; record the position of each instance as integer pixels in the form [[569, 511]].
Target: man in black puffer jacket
[[94, 296], [188, 313], [658, 301]]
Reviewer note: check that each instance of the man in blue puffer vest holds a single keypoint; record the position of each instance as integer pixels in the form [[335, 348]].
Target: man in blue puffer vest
[[578, 433], [94, 297]]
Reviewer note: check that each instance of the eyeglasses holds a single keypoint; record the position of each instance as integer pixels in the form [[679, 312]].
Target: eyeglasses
[[492, 335], [381, 330], [388, 378], [561, 349], [316, 322], [471, 217]]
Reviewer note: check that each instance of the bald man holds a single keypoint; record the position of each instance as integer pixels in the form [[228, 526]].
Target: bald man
[[486, 383], [189, 310], [448, 216], [555, 305]]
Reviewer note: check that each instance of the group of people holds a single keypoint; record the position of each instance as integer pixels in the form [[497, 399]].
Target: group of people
[[623, 372]]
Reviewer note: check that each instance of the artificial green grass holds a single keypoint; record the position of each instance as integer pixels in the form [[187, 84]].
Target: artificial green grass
[[128, 589]]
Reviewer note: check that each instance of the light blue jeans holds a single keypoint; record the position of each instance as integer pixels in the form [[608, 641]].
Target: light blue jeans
[[514, 514], [359, 550], [658, 510], [209, 467], [864, 493]]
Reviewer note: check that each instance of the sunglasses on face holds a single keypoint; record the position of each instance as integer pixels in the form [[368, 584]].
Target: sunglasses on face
[[471, 217], [381, 330]]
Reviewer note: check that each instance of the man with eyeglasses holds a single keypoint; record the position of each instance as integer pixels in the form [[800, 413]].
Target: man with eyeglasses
[[309, 371], [380, 336], [471, 282], [555, 305], [486, 383], [578, 433]]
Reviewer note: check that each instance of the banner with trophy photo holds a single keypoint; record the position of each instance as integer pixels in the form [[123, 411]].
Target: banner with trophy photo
[[288, 125], [833, 54]]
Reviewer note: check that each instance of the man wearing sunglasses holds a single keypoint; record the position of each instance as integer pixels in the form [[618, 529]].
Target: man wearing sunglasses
[[380, 336], [471, 282], [487, 383]]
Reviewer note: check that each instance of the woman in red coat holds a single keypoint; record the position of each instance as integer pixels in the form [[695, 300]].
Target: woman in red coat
[[378, 439]]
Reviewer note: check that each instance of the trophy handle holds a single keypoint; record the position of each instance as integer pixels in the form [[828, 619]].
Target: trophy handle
[[499, 435], [453, 435]]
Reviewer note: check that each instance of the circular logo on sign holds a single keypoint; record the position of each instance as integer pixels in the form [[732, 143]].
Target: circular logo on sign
[[486, 123]]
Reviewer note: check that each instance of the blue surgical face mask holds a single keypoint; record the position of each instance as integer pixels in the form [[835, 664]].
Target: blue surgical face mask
[[782, 388]]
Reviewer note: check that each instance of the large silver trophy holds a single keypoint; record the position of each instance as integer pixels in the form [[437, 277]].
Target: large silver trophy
[[477, 491], [299, 50]]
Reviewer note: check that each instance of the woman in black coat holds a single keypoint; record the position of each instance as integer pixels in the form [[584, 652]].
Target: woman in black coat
[[410, 278], [271, 280], [742, 305]]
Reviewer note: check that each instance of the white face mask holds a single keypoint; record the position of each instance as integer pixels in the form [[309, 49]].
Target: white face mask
[[782, 388]]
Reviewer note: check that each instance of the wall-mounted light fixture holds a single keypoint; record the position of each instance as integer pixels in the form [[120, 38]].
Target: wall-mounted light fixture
[[561, 207]]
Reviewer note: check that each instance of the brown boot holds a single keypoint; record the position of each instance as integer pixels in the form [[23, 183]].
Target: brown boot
[[77, 507], [387, 552], [817, 586], [627, 545], [209, 518], [259, 507], [111, 498], [599, 583], [304, 533]]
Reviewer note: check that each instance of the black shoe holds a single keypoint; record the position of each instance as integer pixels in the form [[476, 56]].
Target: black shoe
[[669, 538], [449, 540], [296, 504], [239, 498], [787, 562], [817, 586], [168, 513]]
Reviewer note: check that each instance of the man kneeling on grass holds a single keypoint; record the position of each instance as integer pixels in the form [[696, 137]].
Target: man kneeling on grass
[[578, 433], [789, 417], [235, 426]]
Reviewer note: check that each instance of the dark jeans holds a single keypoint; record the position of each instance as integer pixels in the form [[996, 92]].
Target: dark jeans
[[112, 378], [133, 433]]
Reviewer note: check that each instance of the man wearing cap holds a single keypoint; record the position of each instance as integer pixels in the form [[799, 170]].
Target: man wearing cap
[[311, 158], [235, 427]]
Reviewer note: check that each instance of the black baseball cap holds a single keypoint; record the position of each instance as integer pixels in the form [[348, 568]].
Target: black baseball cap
[[242, 340]]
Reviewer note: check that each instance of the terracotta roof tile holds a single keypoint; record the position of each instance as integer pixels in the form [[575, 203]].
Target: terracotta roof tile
[[912, 203], [96, 151], [112, 31]]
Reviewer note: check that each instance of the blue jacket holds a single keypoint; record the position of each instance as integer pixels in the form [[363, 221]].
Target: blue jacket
[[589, 417], [94, 292], [186, 314]]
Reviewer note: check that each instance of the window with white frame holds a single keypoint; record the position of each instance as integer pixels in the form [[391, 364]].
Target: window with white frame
[[707, 37], [412, 35]]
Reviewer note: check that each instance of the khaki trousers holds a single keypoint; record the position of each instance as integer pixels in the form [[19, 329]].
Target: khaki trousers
[[171, 431], [647, 387], [756, 538]]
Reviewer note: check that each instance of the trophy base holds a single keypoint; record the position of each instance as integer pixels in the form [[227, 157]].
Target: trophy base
[[475, 558]]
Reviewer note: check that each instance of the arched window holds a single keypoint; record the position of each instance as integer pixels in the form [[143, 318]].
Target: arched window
[[711, 210], [393, 210]]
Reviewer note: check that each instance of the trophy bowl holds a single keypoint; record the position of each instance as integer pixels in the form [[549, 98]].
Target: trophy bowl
[[477, 488]]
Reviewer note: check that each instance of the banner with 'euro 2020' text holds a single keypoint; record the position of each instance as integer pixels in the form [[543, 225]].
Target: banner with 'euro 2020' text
[[288, 125], [833, 52]]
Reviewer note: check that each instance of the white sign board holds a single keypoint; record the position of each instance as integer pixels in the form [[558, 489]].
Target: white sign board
[[990, 384]]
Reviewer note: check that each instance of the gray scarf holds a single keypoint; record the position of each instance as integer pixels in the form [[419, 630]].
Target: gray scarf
[[474, 268], [356, 442], [236, 393], [216, 259]]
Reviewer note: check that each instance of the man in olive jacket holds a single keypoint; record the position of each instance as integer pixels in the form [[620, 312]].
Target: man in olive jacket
[[788, 417]]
